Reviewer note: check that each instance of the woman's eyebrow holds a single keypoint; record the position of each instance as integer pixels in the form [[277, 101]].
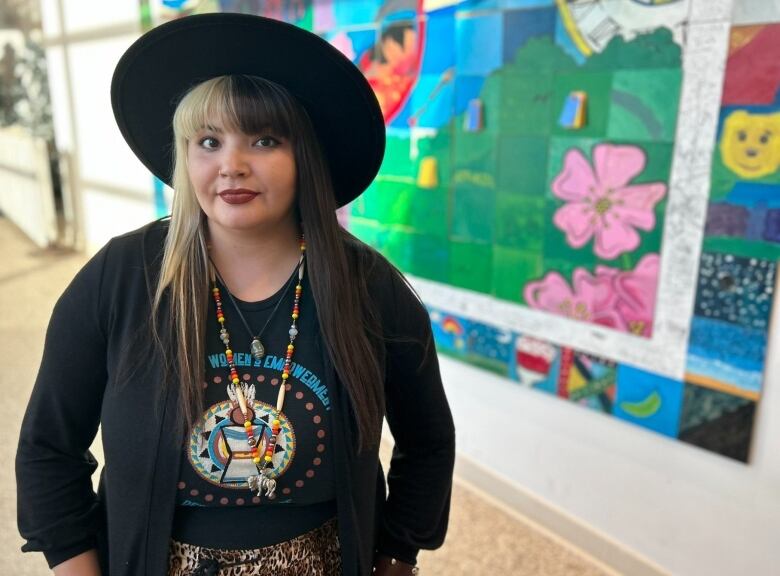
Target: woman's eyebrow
[[210, 128]]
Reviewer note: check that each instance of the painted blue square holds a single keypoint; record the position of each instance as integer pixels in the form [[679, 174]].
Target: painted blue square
[[363, 41], [521, 25], [450, 332], [479, 44], [355, 12], [525, 3], [360, 42], [440, 42], [432, 101], [468, 5], [727, 353], [649, 400]]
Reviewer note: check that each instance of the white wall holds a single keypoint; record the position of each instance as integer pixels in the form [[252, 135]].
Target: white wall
[[26, 197], [112, 190], [688, 510]]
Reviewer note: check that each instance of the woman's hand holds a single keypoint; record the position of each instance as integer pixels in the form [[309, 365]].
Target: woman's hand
[[85, 564], [386, 566]]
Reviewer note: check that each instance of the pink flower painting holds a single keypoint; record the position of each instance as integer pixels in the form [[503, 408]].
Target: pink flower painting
[[635, 294], [600, 201], [620, 299]]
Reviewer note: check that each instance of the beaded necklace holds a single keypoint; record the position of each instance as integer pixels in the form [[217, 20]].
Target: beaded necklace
[[262, 481]]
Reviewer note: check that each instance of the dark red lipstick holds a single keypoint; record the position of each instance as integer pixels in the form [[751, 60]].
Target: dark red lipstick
[[237, 195]]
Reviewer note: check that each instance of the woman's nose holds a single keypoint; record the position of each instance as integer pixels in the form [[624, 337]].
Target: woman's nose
[[233, 164]]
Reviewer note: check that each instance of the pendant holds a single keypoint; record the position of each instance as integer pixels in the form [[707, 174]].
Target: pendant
[[258, 350], [262, 482]]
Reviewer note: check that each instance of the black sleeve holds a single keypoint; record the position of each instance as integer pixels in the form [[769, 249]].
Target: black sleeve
[[420, 477], [58, 512]]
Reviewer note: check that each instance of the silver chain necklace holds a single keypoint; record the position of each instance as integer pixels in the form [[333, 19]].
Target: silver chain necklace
[[257, 347]]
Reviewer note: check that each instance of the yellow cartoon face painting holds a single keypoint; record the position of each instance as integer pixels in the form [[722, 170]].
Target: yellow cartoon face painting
[[750, 145]]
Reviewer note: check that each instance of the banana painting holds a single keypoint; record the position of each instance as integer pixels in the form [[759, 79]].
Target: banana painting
[[644, 408]]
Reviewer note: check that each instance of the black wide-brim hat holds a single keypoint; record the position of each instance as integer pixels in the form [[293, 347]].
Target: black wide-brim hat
[[163, 64]]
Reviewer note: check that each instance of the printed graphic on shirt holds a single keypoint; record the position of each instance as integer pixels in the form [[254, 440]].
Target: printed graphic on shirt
[[219, 456], [219, 451]]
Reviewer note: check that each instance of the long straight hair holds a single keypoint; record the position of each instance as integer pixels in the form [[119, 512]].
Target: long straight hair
[[348, 321]]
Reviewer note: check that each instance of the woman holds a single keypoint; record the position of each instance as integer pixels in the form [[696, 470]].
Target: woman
[[240, 356]]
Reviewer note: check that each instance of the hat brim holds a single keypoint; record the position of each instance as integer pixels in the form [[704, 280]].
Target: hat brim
[[164, 63]]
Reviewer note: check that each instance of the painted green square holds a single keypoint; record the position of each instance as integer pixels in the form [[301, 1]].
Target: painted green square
[[368, 231], [541, 53], [430, 212], [656, 49], [473, 198], [396, 245], [644, 104], [520, 222], [392, 202], [430, 258], [512, 270], [367, 205], [475, 152], [598, 87], [522, 165], [525, 103], [397, 158], [473, 213], [471, 266], [658, 166]]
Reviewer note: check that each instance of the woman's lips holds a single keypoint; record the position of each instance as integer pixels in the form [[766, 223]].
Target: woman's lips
[[237, 195]]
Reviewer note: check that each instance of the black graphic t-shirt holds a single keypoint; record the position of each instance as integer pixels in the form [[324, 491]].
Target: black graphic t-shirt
[[213, 495]]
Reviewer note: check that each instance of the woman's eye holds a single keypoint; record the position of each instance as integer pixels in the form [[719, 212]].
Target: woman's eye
[[266, 142], [209, 143]]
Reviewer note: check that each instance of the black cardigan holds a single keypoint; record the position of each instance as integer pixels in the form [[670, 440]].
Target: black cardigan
[[95, 326]]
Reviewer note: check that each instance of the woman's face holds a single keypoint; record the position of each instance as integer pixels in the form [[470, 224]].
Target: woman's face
[[243, 181]]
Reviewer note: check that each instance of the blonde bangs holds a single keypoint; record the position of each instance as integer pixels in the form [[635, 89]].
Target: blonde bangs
[[234, 103], [207, 105]]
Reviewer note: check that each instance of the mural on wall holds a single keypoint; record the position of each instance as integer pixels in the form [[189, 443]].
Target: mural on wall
[[529, 152], [484, 189], [738, 266]]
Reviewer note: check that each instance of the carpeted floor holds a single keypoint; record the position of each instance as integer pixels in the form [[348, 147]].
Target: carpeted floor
[[483, 539]]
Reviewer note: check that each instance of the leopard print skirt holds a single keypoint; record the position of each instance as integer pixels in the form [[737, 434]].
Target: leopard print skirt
[[316, 553]]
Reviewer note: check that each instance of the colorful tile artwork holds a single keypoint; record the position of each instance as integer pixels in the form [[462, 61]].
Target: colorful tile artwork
[[738, 267], [529, 149]]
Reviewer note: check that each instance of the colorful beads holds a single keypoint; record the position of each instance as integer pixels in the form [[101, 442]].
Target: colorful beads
[[266, 460]]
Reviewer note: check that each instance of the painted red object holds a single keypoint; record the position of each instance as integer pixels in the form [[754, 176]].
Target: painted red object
[[753, 70]]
